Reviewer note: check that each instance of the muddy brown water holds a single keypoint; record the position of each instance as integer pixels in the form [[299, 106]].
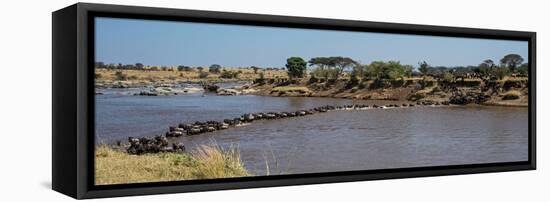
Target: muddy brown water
[[333, 141]]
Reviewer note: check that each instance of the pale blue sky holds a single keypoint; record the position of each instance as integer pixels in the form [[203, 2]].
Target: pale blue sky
[[153, 42]]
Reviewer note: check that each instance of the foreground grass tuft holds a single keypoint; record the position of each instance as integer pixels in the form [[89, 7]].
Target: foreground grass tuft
[[207, 162], [512, 95]]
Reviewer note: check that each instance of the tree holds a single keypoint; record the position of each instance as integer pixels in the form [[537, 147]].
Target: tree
[[323, 65], [485, 68], [391, 70], [229, 74], [523, 69], [255, 69], [353, 81], [423, 67], [341, 64], [296, 67], [487, 64], [184, 68], [511, 61], [408, 69], [375, 70], [99, 65], [332, 66], [394, 70], [215, 68], [500, 72], [139, 66], [359, 70], [200, 69]]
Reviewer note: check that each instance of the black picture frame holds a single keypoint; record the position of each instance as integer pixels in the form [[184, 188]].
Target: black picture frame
[[73, 100]]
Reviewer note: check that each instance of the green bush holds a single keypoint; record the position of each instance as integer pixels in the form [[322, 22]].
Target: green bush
[[392, 70], [448, 77], [229, 75], [500, 72], [312, 78]]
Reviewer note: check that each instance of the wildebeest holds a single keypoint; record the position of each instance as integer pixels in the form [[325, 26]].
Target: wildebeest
[[145, 145]]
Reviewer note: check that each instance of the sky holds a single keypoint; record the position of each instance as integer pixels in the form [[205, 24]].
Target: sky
[[168, 43]]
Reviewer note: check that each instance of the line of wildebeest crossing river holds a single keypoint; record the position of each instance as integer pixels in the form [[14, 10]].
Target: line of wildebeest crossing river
[[160, 143]]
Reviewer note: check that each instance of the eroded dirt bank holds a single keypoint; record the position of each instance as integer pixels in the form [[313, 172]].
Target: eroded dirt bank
[[508, 92]]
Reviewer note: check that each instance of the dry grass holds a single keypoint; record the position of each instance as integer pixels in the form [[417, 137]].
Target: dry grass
[[414, 78], [291, 88], [106, 75], [510, 78], [473, 79], [512, 95], [206, 162]]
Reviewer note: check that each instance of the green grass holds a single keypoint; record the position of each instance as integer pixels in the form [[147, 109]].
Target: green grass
[[206, 162]]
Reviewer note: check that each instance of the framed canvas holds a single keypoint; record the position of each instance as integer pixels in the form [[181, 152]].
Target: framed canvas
[[157, 100]]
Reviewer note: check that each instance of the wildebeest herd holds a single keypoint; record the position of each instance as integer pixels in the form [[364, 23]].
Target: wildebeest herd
[[156, 144], [160, 143]]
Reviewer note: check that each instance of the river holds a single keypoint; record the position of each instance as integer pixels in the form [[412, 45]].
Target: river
[[333, 141]]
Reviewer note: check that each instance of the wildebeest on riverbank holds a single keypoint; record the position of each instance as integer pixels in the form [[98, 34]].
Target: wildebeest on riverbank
[[156, 144]]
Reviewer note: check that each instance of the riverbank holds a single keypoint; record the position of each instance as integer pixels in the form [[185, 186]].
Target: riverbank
[[205, 162], [506, 92], [510, 91]]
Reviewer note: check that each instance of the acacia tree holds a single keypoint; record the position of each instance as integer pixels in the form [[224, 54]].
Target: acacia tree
[[184, 68], [255, 69], [323, 66], [295, 67], [139, 66], [488, 63], [332, 66], [215, 68], [424, 67], [485, 67], [511, 61], [341, 64]]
